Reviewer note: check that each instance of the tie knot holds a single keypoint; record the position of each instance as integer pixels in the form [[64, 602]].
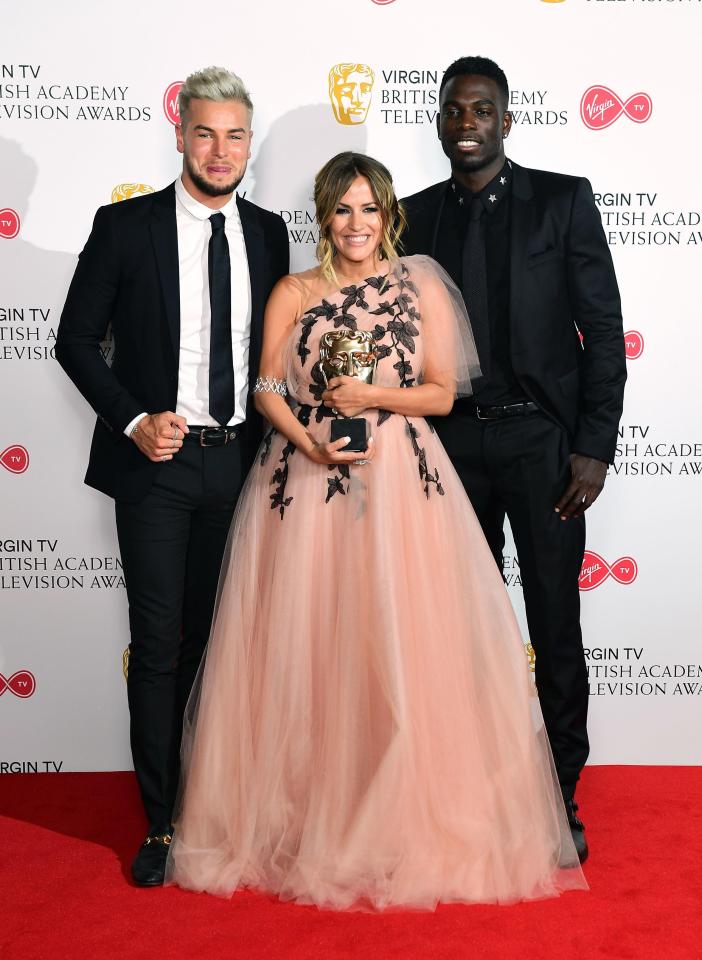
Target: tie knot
[[476, 209], [217, 220]]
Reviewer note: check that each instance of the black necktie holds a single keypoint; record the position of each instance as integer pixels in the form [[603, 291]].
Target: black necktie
[[221, 361], [475, 283]]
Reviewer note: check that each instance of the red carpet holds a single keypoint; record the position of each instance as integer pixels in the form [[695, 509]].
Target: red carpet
[[66, 842]]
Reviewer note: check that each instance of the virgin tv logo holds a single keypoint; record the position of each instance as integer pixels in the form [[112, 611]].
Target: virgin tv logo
[[595, 570], [22, 684], [15, 458], [633, 344], [9, 223], [170, 102], [600, 107], [382, 3]]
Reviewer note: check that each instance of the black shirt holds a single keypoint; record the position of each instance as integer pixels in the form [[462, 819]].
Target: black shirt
[[501, 386]]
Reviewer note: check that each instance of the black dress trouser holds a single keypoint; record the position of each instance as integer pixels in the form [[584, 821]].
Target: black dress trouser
[[520, 467], [171, 544]]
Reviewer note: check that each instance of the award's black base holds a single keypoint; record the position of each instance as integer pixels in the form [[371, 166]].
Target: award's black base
[[354, 427]]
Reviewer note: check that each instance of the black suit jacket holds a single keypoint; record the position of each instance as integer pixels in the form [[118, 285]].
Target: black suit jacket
[[561, 281], [127, 277]]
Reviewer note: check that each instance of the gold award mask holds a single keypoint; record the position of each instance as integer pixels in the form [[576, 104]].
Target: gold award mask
[[350, 89], [349, 353]]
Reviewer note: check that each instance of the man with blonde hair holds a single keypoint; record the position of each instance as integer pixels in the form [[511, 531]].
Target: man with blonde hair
[[182, 276]]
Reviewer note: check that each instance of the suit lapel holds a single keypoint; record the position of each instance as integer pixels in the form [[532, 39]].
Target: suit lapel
[[255, 254], [521, 226], [164, 236], [437, 209], [253, 239], [425, 222]]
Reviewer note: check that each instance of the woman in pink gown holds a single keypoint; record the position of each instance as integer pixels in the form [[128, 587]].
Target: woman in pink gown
[[364, 730]]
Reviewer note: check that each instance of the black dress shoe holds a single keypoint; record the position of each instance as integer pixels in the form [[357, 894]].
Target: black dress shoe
[[577, 830], [149, 867]]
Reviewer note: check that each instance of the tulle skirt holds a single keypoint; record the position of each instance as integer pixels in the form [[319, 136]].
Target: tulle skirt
[[364, 730]]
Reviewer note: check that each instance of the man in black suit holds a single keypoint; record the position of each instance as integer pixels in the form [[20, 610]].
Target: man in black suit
[[182, 276], [528, 251]]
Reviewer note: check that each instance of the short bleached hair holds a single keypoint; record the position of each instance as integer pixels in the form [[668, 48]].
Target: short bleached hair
[[213, 83]]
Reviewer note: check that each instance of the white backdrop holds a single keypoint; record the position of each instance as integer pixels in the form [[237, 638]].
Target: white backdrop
[[82, 94]]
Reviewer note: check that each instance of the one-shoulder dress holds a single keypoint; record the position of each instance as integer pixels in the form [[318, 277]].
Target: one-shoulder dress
[[364, 731]]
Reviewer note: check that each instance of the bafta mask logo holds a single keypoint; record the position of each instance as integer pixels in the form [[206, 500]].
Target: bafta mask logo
[[350, 88], [125, 191], [531, 656]]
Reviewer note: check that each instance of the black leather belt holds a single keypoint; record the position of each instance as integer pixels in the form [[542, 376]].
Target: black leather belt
[[214, 436], [502, 411]]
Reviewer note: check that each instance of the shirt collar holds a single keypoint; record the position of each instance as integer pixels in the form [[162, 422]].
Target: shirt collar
[[198, 210], [491, 194]]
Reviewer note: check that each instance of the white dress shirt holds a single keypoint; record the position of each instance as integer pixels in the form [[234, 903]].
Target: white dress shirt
[[194, 232]]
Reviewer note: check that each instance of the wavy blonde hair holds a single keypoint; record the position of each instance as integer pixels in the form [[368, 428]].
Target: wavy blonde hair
[[332, 182], [213, 83]]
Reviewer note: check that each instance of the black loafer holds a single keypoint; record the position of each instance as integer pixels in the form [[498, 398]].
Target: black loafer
[[577, 830], [149, 867]]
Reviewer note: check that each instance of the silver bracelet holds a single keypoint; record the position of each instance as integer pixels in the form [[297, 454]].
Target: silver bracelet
[[271, 385]]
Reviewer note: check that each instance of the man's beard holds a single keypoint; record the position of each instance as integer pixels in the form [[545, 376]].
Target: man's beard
[[469, 164], [210, 189]]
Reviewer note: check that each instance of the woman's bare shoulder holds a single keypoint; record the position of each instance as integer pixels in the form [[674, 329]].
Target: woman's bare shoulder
[[311, 287]]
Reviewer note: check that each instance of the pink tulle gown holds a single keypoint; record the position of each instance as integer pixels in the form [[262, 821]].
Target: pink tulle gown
[[364, 730]]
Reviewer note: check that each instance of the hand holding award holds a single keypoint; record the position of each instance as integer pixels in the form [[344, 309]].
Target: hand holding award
[[347, 360]]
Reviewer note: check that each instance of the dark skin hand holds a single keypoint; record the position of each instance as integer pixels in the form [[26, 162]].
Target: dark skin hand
[[588, 477]]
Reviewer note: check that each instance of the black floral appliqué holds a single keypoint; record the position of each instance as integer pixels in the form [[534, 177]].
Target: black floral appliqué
[[354, 297], [324, 309], [280, 477], [335, 484], [425, 475], [266, 446], [318, 386], [404, 332], [404, 370]]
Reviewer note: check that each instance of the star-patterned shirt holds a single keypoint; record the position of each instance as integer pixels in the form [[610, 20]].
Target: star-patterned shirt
[[502, 387]]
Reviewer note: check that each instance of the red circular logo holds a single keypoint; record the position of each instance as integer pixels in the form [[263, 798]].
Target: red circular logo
[[595, 570], [600, 107], [21, 683], [15, 458], [170, 102], [381, 3], [633, 344], [9, 223]]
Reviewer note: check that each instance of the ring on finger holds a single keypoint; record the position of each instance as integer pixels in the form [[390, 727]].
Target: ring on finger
[[335, 411], [360, 463], [175, 433]]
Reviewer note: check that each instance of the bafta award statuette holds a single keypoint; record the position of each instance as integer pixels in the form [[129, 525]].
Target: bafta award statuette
[[349, 353]]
